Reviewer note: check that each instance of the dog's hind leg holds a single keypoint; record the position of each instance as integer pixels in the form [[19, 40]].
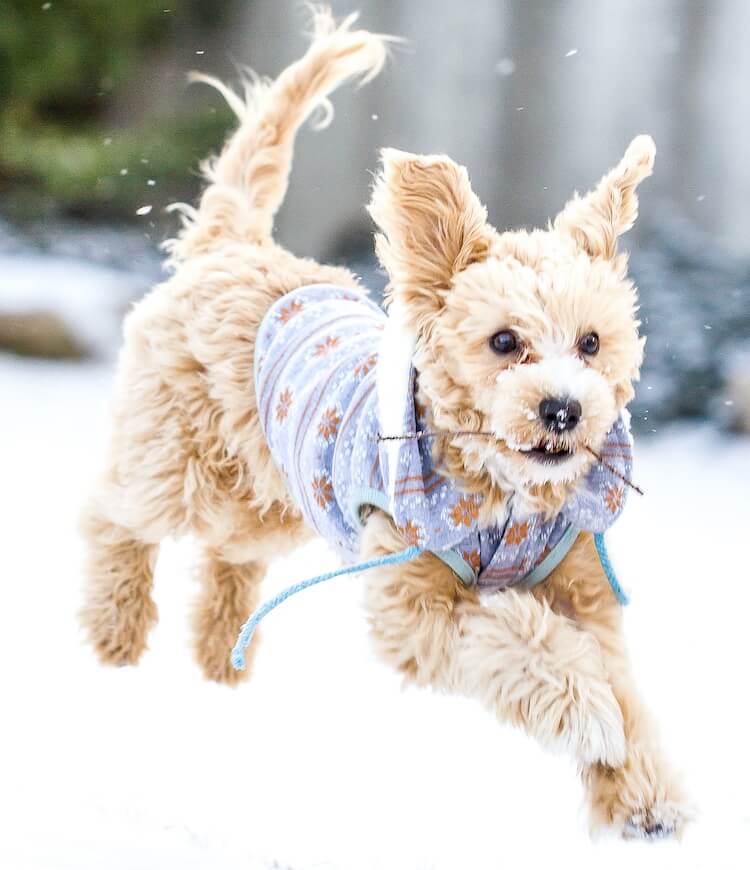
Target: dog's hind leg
[[139, 500], [641, 797], [526, 664], [119, 610], [230, 576], [229, 593]]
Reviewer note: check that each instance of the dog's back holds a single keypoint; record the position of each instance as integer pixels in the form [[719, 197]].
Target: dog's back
[[187, 451]]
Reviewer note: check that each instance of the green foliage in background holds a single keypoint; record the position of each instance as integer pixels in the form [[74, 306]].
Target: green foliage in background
[[62, 65]]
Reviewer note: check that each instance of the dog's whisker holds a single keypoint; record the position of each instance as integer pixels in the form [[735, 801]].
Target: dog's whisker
[[443, 433], [614, 471], [433, 433]]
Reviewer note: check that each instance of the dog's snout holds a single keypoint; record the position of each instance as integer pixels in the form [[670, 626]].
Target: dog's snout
[[560, 415]]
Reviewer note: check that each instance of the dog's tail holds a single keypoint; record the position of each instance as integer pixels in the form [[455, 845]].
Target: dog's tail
[[248, 180]]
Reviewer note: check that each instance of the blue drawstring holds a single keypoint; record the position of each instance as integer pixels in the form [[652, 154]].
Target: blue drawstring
[[248, 629], [601, 549]]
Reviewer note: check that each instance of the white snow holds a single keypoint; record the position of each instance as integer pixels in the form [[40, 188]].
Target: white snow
[[321, 761]]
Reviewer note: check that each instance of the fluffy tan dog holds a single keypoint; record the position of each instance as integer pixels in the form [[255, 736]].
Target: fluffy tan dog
[[188, 453]]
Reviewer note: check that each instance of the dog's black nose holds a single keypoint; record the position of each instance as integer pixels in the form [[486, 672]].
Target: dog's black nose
[[560, 415]]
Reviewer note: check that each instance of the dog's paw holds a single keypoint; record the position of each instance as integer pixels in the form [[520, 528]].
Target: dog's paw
[[660, 821], [641, 799], [118, 634], [213, 642], [217, 667]]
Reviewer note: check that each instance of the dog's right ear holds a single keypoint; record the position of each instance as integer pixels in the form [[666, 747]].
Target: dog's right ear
[[431, 225]]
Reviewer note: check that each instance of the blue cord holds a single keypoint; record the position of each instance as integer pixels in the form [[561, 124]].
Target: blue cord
[[248, 629], [601, 549]]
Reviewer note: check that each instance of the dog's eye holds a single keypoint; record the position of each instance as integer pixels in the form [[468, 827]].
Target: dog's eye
[[589, 344], [505, 341]]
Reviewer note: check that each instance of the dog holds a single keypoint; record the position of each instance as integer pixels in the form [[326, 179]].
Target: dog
[[531, 337]]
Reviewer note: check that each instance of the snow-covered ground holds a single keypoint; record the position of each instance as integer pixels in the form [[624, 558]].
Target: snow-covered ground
[[322, 761]]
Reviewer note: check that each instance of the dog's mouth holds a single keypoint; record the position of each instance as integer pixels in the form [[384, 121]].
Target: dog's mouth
[[549, 453]]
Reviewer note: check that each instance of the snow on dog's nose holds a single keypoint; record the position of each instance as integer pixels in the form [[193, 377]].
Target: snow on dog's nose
[[560, 415]]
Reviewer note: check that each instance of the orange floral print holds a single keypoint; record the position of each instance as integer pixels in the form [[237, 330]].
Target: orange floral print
[[322, 490], [613, 498], [285, 402], [473, 559], [367, 365], [289, 311], [464, 512], [410, 531], [329, 424], [517, 534], [329, 344]]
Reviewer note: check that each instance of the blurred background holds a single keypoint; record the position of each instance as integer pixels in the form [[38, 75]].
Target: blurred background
[[99, 132]]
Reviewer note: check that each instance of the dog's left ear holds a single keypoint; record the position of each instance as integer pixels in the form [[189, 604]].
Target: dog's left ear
[[596, 220], [431, 223]]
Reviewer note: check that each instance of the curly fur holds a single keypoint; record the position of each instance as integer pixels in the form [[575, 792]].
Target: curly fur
[[187, 452], [457, 278]]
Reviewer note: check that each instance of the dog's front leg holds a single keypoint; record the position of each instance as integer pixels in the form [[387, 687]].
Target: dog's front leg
[[528, 665], [642, 797]]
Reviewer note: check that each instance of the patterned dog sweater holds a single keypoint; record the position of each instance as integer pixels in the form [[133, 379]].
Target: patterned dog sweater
[[315, 379]]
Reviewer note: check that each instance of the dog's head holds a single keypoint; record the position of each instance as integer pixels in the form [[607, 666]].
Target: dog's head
[[531, 335]]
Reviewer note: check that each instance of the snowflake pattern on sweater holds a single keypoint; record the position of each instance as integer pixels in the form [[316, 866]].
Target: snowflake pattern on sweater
[[315, 380]]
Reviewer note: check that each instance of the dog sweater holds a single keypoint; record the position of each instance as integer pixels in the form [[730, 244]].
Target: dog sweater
[[316, 358]]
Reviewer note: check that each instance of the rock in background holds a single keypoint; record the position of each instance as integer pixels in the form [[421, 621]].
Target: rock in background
[[64, 288]]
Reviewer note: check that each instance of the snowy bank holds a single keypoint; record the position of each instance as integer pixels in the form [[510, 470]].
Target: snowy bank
[[322, 761]]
